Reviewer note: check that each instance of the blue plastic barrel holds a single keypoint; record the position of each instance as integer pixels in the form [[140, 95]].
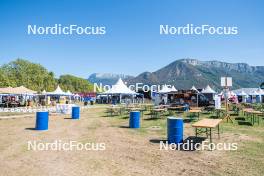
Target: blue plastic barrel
[[174, 130], [42, 121], [75, 112], [134, 119]]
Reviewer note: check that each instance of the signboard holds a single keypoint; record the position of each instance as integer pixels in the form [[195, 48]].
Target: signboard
[[217, 102], [226, 81]]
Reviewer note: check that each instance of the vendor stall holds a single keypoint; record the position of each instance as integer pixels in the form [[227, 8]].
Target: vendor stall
[[209, 93], [120, 93]]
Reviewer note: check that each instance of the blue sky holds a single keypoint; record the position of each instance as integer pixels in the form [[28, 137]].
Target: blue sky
[[132, 44]]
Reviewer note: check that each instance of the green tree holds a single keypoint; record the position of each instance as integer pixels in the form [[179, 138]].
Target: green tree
[[75, 84], [4, 81], [34, 76]]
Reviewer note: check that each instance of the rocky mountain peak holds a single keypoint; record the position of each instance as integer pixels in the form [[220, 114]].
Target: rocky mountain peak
[[190, 61]]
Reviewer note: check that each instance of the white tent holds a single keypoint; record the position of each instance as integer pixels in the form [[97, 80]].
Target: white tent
[[76, 95], [254, 93], [44, 92], [165, 89], [69, 93], [23, 90], [256, 97], [194, 88], [173, 89], [260, 91], [244, 96], [17, 90], [6, 90], [250, 91], [208, 90], [120, 88], [58, 91], [242, 93]]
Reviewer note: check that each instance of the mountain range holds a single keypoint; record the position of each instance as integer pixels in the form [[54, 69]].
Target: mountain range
[[185, 73], [107, 78]]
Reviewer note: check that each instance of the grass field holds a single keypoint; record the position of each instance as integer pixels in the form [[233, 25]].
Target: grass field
[[128, 151]]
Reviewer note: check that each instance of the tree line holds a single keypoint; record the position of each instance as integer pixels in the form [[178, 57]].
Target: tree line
[[36, 77]]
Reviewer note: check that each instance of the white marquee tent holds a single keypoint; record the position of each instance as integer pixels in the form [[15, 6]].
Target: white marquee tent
[[194, 89], [69, 93], [208, 90], [250, 91], [165, 89], [58, 91], [119, 93], [242, 93], [120, 88], [252, 95], [173, 89], [244, 96], [21, 90], [260, 91]]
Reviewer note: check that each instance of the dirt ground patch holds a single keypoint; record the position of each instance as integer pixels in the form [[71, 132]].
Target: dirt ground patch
[[128, 151]]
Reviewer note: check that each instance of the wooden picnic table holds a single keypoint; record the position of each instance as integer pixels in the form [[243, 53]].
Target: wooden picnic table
[[159, 109], [209, 108], [156, 112], [136, 109], [207, 124], [253, 114], [131, 108], [164, 106], [174, 109], [195, 111], [115, 110], [219, 111], [247, 109], [147, 106], [196, 108]]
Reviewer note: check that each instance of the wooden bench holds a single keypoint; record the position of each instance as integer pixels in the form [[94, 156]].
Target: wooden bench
[[207, 124]]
